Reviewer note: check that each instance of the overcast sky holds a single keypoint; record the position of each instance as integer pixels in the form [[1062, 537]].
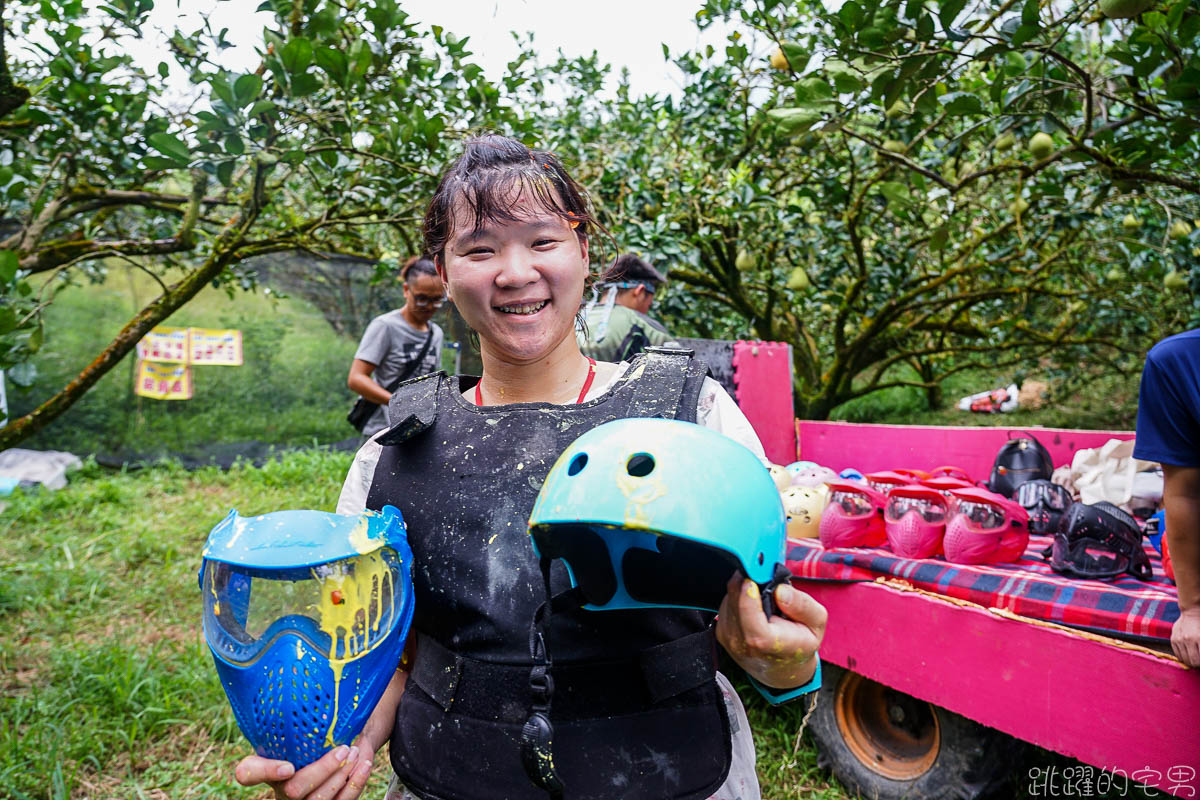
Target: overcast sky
[[625, 33]]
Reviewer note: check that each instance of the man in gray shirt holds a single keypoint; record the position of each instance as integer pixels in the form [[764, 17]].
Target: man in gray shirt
[[393, 341]]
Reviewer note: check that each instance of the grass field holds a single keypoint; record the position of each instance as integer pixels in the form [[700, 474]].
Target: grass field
[[109, 690]]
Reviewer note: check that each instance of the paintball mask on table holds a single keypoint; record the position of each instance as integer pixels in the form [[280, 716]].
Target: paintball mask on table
[[915, 521], [854, 516], [306, 615], [985, 528]]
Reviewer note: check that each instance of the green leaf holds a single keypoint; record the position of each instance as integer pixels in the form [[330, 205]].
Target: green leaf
[[305, 84], [225, 172], [1024, 34], [36, 338], [234, 145], [1029, 12], [851, 15], [939, 238], [296, 55], [163, 69], [895, 192], [171, 147], [925, 28], [949, 10], [246, 89], [794, 120], [261, 107], [8, 320], [334, 63], [9, 264], [961, 103]]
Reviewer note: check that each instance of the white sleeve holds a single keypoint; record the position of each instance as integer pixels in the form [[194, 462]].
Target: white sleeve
[[718, 411], [353, 498]]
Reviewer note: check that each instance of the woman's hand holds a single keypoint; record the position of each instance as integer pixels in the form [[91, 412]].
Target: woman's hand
[[340, 774], [777, 652]]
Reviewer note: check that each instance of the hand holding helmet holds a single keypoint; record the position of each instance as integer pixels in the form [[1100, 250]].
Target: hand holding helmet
[[776, 652]]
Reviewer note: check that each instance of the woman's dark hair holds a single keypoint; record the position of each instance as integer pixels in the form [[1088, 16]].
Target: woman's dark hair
[[417, 266], [490, 174], [628, 268]]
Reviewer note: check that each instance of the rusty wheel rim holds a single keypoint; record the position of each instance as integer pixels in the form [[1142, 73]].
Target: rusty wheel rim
[[891, 733]]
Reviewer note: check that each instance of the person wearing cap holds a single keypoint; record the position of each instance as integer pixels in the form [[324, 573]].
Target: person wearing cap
[[618, 327], [1168, 431]]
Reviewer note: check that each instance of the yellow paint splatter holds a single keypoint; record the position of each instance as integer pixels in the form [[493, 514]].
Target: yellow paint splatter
[[366, 598], [494, 535]]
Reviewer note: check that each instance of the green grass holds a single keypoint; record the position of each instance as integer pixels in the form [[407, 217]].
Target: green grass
[[109, 690], [291, 390]]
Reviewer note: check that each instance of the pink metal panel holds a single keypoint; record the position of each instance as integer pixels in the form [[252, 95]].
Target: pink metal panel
[[763, 374], [870, 448], [1108, 704]]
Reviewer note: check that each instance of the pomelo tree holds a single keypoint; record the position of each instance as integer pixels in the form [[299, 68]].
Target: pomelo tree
[[916, 190], [331, 143]]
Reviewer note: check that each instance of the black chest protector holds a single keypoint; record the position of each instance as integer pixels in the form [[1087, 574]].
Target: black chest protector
[[636, 711]]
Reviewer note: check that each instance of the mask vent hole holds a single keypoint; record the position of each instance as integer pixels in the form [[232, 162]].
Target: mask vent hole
[[640, 465], [577, 464]]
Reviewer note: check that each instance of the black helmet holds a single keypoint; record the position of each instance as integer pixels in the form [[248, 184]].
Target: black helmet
[[1019, 460], [1046, 503], [1098, 541]]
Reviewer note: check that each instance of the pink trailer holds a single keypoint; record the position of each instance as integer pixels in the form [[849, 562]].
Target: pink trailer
[[921, 681]]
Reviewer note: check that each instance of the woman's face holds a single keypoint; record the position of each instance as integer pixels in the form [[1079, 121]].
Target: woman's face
[[518, 284]]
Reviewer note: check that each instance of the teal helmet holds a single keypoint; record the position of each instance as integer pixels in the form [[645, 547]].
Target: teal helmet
[[659, 513]]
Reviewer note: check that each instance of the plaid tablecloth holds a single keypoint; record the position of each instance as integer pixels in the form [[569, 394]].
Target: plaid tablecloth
[[1124, 607]]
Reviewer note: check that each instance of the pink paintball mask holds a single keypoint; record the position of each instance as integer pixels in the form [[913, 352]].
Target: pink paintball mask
[[945, 485], [985, 528], [949, 471], [854, 516], [915, 521], [886, 481]]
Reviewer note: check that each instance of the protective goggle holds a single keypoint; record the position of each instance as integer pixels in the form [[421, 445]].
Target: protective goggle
[[343, 608], [930, 510], [984, 517], [1033, 493], [853, 504], [1098, 541], [1088, 558]]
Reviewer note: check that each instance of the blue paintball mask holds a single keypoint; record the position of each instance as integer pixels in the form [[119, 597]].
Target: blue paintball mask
[[306, 614]]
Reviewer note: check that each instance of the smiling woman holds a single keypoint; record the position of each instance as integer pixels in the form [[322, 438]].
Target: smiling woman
[[639, 710]]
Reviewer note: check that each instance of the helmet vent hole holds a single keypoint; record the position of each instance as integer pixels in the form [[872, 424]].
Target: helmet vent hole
[[640, 465], [577, 464], [760, 559]]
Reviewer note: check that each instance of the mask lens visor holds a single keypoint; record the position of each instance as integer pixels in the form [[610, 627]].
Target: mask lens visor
[[343, 608], [982, 516], [1087, 558], [930, 511], [853, 504]]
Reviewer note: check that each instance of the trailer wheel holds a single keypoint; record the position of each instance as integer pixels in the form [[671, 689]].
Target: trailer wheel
[[887, 745]]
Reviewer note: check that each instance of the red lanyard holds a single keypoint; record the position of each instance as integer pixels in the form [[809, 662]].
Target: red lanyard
[[587, 384]]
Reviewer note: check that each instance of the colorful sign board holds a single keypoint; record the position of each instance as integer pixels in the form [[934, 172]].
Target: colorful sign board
[[215, 347], [165, 355], [163, 381], [165, 345]]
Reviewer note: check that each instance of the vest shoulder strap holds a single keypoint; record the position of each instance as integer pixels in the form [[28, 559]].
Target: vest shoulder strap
[[414, 406], [660, 376]]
